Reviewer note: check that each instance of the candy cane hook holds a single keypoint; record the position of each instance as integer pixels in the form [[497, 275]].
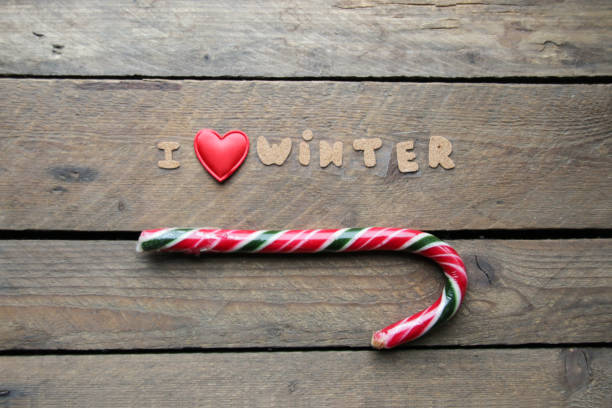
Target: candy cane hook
[[196, 241]]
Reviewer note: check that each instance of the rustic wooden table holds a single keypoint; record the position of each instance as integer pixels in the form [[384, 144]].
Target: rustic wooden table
[[522, 89]]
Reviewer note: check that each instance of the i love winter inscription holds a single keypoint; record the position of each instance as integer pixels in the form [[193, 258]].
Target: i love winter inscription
[[222, 155]]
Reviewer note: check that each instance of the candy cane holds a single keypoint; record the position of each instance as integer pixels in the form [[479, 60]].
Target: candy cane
[[196, 241]]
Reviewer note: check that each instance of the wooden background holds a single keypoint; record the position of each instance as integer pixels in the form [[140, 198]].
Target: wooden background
[[521, 88]]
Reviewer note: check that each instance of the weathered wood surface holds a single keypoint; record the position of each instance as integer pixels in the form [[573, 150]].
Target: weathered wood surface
[[82, 155], [553, 377], [439, 38], [103, 295]]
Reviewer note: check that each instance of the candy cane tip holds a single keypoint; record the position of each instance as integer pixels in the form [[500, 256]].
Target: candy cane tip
[[141, 239], [378, 340]]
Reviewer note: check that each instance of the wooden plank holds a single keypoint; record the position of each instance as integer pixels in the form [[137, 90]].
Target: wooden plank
[[102, 295], [579, 377], [82, 155], [439, 38]]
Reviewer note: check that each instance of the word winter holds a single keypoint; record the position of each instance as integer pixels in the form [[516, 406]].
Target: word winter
[[440, 149]]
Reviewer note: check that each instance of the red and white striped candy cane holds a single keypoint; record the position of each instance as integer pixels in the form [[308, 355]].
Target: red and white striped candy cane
[[196, 241]]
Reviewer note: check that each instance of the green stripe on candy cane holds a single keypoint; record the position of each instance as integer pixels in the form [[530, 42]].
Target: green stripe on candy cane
[[257, 243], [339, 243], [165, 240]]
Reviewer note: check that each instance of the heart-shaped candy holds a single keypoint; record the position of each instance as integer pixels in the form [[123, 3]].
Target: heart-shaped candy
[[221, 155]]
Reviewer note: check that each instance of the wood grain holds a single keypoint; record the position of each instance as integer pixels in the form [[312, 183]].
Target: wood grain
[[428, 38], [578, 377], [82, 155], [102, 295]]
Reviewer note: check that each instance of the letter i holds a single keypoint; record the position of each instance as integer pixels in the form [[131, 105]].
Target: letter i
[[304, 153]]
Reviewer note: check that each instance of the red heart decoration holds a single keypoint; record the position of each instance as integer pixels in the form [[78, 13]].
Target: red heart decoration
[[221, 155]]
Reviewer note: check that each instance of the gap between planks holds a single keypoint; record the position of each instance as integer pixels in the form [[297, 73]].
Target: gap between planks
[[527, 234], [527, 80], [268, 349]]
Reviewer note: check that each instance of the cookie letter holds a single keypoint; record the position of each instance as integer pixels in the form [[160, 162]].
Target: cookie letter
[[329, 154], [273, 154], [168, 163], [304, 153], [405, 157], [368, 146], [439, 150]]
